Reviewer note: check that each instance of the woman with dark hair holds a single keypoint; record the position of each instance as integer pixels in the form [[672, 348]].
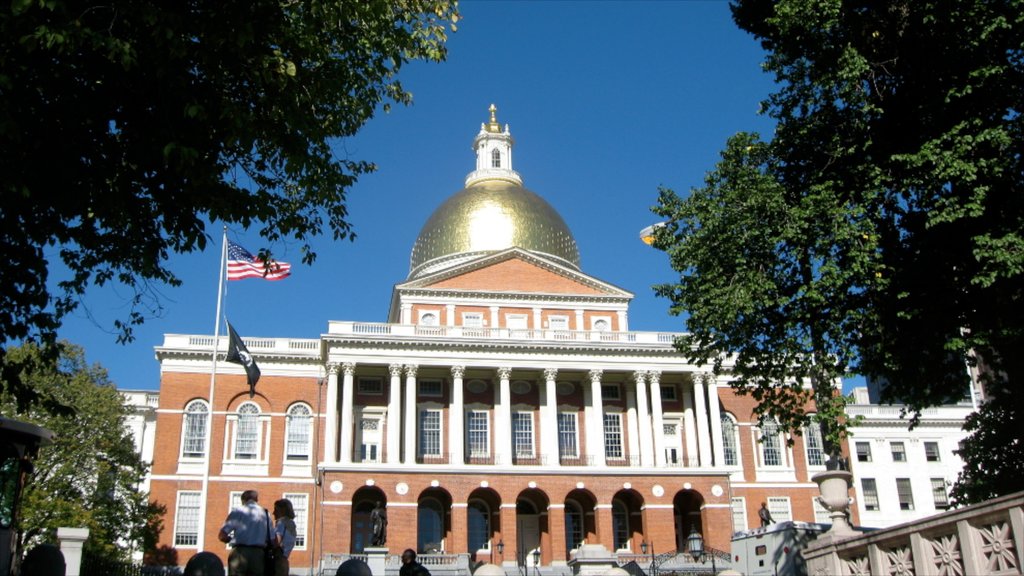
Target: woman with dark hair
[[284, 535]]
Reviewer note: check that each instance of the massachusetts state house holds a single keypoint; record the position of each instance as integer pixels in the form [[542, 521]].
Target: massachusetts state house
[[504, 412]]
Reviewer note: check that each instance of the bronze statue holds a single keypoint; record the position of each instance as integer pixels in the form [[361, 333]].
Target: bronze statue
[[379, 520]]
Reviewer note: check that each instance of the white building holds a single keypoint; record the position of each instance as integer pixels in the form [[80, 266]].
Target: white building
[[900, 474], [142, 424]]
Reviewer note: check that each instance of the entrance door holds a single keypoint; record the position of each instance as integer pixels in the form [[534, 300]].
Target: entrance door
[[528, 528]]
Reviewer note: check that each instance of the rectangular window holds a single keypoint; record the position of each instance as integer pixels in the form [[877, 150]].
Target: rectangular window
[[610, 392], [430, 433], [368, 453], [374, 386], [298, 437], [431, 387], [820, 513], [477, 434], [568, 445], [939, 493], [899, 453], [194, 444], [522, 434], [473, 319], [558, 322], [905, 494], [780, 508], [668, 393], [516, 321], [771, 446], [300, 503], [931, 451], [815, 444], [613, 436], [186, 519], [869, 491], [739, 514], [863, 452]]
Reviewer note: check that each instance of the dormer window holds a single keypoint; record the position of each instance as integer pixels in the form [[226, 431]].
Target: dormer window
[[495, 158]]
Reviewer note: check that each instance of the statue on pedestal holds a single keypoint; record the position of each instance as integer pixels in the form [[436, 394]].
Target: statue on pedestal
[[379, 520]]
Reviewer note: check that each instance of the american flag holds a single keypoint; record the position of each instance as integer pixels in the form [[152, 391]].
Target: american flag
[[242, 264]]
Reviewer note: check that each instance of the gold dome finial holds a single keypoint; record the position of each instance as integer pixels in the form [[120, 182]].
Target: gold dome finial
[[493, 125]]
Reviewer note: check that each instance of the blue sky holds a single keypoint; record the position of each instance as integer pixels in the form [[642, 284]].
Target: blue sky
[[606, 101]]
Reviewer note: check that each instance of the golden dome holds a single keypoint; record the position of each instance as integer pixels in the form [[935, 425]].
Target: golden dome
[[487, 217]]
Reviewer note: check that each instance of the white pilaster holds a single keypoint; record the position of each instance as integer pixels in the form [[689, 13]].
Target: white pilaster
[[349, 370], [715, 421], [579, 320], [409, 457], [623, 321], [503, 419], [689, 427], [632, 423], [449, 317], [537, 319], [456, 414], [657, 419], [595, 420], [703, 430], [643, 417], [406, 313], [549, 419], [395, 414], [495, 321], [331, 425]]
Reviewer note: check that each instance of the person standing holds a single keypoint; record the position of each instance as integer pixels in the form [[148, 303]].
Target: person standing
[[247, 529], [284, 535], [765, 515], [410, 567]]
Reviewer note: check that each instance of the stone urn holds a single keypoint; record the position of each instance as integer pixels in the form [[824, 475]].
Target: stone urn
[[835, 497]]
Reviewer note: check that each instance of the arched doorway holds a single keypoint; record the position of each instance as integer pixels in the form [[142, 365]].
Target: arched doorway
[[580, 521], [627, 520], [531, 525], [433, 521], [483, 521], [688, 506], [363, 502]]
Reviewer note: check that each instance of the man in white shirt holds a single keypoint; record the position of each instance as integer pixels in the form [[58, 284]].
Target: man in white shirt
[[247, 529]]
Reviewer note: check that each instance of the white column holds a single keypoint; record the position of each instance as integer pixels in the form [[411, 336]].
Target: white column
[[349, 370], [643, 417], [715, 417], [331, 426], [456, 424], [503, 419], [632, 424], [537, 322], [689, 427], [395, 414], [406, 313], [495, 321], [579, 320], [549, 419], [657, 419], [703, 430], [623, 321], [595, 420], [449, 317], [71, 542], [409, 457]]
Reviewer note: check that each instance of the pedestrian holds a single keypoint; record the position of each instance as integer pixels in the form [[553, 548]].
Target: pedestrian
[[410, 567], [284, 535], [248, 530], [765, 515]]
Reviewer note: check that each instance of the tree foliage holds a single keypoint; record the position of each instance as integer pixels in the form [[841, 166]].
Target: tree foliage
[[897, 155], [128, 126], [89, 477]]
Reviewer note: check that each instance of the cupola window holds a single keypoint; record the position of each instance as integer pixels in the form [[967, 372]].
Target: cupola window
[[495, 159]]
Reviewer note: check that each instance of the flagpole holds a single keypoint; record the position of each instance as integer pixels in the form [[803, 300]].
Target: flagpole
[[204, 504]]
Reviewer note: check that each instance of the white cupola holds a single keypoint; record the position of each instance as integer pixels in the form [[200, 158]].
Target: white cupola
[[493, 147]]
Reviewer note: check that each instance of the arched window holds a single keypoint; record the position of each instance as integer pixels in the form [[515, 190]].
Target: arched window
[[573, 524], [479, 526], [193, 445], [495, 158], [620, 525], [813, 443], [297, 434], [247, 435], [771, 446], [430, 526], [730, 447]]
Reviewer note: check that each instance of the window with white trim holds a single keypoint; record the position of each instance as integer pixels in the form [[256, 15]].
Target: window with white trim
[[931, 451], [573, 524], [899, 452], [620, 525], [611, 392], [814, 443], [668, 393], [558, 322], [869, 493], [428, 318], [193, 443], [431, 387], [495, 158], [821, 515], [522, 434], [247, 432], [739, 514], [730, 445], [478, 526], [473, 319], [613, 436], [771, 444], [905, 493], [430, 432], [780, 508], [863, 452], [371, 385], [300, 503], [602, 324], [478, 437], [568, 439], [298, 433], [186, 518], [939, 494], [516, 321]]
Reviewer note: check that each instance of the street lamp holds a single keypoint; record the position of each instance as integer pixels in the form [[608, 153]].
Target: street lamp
[[695, 546], [501, 549], [643, 548], [536, 559]]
